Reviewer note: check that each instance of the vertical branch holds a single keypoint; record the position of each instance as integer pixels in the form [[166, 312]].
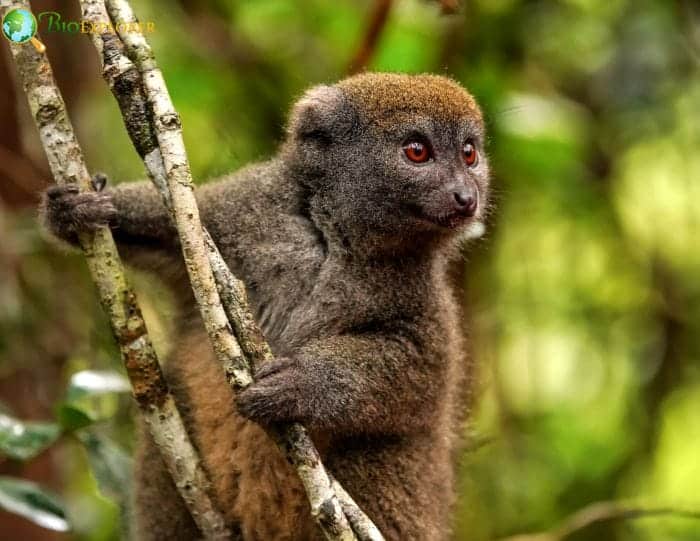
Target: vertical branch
[[176, 172], [116, 296], [369, 42], [449, 6], [220, 295]]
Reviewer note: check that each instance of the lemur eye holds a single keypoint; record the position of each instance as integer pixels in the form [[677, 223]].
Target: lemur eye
[[471, 156], [417, 151]]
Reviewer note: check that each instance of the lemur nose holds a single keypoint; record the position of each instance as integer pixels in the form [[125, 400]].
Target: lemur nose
[[466, 201]]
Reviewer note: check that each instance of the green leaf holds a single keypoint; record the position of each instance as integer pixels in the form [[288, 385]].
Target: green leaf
[[72, 418], [91, 396], [95, 383], [29, 500], [23, 440], [110, 464]]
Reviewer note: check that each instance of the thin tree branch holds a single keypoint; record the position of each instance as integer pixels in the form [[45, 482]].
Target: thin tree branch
[[363, 527], [449, 7], [220, 295], [368, 45], [116, 296], [601, 512]]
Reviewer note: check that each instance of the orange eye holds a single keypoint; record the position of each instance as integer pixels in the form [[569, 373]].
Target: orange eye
[[470, 154], [417, 151]]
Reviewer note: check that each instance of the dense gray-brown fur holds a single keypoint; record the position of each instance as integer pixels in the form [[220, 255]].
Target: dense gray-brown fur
[[342, 243]]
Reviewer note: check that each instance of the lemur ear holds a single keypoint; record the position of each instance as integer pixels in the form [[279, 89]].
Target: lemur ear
[[318, 115]]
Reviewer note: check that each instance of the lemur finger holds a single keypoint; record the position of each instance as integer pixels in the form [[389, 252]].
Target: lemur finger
[[272, 367], [92, 209], [54, 192]]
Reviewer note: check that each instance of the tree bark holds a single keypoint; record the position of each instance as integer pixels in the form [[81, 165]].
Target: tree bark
[[221, 297], [116, 296]]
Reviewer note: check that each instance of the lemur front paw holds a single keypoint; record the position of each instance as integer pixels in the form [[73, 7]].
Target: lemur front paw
[[275, 396], [68, 212]]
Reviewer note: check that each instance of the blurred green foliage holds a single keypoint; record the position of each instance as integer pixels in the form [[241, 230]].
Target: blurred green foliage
[[582, 301]]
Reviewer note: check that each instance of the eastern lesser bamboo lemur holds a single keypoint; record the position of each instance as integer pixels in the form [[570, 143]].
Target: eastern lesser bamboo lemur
[[342, 240]]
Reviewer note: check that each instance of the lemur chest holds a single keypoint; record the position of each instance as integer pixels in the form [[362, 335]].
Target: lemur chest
[[304, 298], [295, 307], [281, 279]]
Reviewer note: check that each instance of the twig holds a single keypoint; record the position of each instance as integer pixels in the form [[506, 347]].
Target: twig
[[220, 295], [363, 527], [376, 25], [449, 6], [601, 512], [118, 299]]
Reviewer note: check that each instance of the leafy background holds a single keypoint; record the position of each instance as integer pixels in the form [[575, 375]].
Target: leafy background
[[581, 302]]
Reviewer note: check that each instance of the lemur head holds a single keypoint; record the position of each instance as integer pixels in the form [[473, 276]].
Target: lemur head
[[387, 158]]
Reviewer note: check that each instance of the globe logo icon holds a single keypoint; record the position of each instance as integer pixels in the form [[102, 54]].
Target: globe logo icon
[[19, 26]]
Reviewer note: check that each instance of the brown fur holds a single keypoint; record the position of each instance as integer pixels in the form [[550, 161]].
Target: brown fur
[[252, 482], [343, 247], [382, 95]]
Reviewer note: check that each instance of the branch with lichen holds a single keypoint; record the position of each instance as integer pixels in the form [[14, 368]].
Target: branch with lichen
[[154, 127], [116, 296]]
